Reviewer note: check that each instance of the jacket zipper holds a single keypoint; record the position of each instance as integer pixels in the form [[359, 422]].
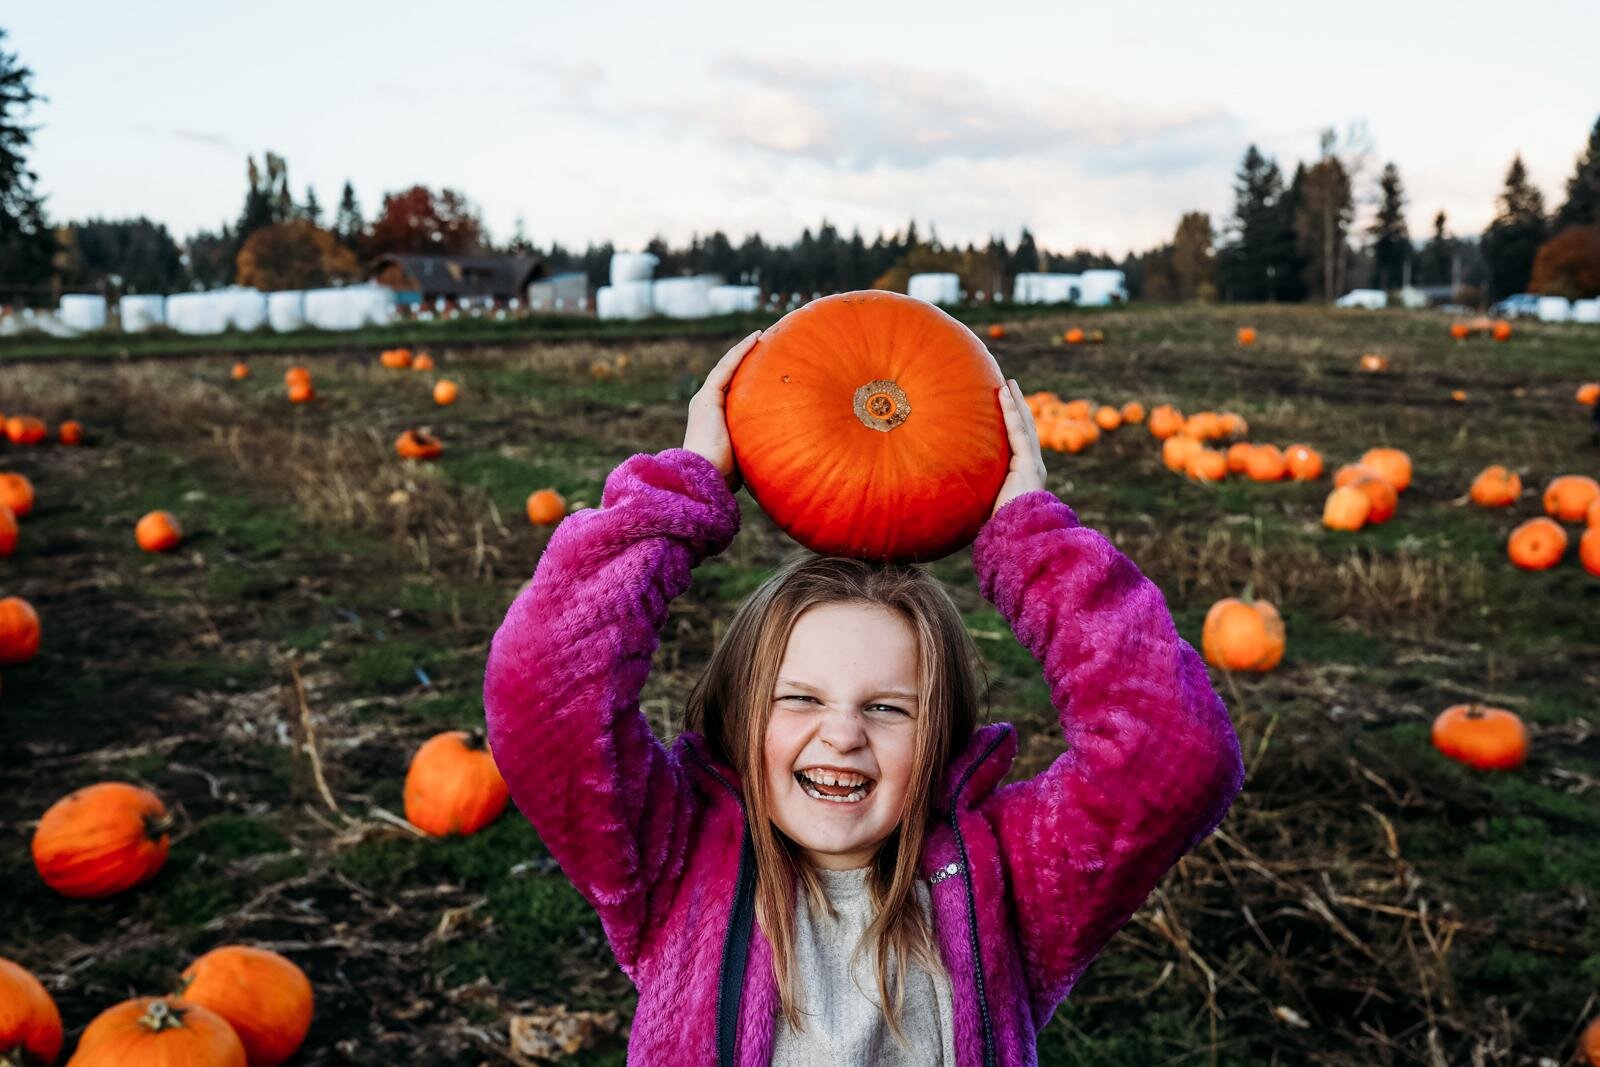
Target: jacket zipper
[[972, 906], [736, 944]]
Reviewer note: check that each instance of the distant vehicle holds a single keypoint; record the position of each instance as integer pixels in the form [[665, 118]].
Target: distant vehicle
[[1517, 306], [1371, 299]]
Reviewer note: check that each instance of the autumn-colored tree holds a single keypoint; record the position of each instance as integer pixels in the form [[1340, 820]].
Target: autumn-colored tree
[[294, 255], [1569, 264], [420, 220], [1194, 263], [1322, 220]]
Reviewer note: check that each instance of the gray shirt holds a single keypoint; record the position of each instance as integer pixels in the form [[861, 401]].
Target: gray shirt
[[844, 1024]]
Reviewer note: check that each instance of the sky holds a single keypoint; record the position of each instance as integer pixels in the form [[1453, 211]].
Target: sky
[[1097, 127]]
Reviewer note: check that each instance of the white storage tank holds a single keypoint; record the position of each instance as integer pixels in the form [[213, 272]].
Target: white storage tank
[[633, 267], [1097, 288], [286, 310], [727, 299], [83, 311], [196, 313], [1554, 309], [684, 298], [1039, 287], [142, 312], [935, 288]]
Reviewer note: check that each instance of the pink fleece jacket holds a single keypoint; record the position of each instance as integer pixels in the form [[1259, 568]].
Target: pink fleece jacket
[[1049, 868]]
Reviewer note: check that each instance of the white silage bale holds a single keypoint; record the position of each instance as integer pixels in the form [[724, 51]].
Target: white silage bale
[[633, 267], [142, 312], [83, 311], [286, 310]]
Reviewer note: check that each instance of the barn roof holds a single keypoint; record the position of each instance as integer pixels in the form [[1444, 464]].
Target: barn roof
[[457, 276]]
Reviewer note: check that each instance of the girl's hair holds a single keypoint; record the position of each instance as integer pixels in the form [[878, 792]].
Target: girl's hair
[[732, 703]]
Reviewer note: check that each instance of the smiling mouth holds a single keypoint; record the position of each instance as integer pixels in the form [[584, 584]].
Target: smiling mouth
[[834, 794]]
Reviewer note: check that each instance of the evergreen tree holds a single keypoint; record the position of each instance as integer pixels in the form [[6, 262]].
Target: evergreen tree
[[1391, 244], [1514, 237], [1436, 261], [348, 225], [139, 252], [312, 211], [1582, 207], [1322, 222], [1258, 260], [1025, 259], [26, 241]]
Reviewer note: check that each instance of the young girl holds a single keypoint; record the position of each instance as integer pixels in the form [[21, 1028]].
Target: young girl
[[825, 867]]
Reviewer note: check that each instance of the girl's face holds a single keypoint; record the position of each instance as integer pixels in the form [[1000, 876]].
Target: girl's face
[[844, 725]]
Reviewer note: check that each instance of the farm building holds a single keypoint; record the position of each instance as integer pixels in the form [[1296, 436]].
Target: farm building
[[568, 291], [477, 279]]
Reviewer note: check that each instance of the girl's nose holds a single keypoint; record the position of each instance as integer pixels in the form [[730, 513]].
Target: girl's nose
[[843, 731]]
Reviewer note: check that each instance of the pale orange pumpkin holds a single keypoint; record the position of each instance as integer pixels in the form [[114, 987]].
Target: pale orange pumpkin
[[1206, 465], [16, 493], [1165, 421], [102, 839], [1346, 509], [158, 1032], [445, 392], [1495, 487], [453, 786], [1267, 464], [1392, 465], [868, 424], [158, 532], [1305, 463], [546, 507], [19, 631], [265, 998], [30, 1024], [422, 362], [1080, 408], [1133, 412], [1176, 450], [1373, 363], [1568, 497], [1239, 456], [1458, 395], [1243, 636], [1537, 544], [1108, 418], [418, 444], [1485, 738]]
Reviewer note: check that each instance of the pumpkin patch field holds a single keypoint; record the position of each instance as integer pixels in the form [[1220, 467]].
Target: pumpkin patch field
[[321, 559]]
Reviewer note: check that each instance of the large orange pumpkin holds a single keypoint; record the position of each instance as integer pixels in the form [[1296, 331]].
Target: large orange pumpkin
[[1379, 491], [1589, 550], [1592, 516], [1346, 509], [19, 631], [1165, 421], [158, 1032], [1495, 487], [16, 493], [1267, 464], [8, 531], [1206, 465], [1489, 739], [25, 430], [1305, 463], [546, 507], [1392, 465], [1589, 394], [30, 1024], [265, 998], [158, 532], [868, 424], [1241, 636], [453, 786], [1239, 456], [101, 840], [418, 444], [1568, 497], [1537, 544]]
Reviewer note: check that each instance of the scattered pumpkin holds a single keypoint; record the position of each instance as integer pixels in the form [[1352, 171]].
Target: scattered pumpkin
[[1346, 509], [1591, 1043], [70, 432], [1204, 425], [265, 998], [25, 430], [301, 391], [418, 444], [1133, 412], [1108, 418], [1501, 330], [1232, 424], [546, 507], [1176, 450], [422, 362], [395, 358], [997, 332], [1537, 544], [30, 1024], [1589, 550], [1165, 421], [868, 424], [16, 493], [1305, 463], [8, 531], [1380, 493], [1460, 331], [1592, 516], [158, 532], [1239, 456], [1074, 336], [1495, 487], [1458, 395], [445, 392], [1242, 636], [1392, 465], [1267, 464], [1589, 394], [294, 374], [1097, 337], [101, 839], [1206, 465], [453, 786], [19, 631], [1247, 335], [1568, 497], [1485, 738], [240, 371], [1373, 363], [158, 1032]]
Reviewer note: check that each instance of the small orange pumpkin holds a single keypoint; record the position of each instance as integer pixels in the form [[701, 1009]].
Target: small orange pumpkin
[[1165, 421], [265, 998], [423, 362], [453, 786], [1589, 550], [1074, 336], [1501, 330], [1108, 418], [1267, 464], [1568, 497], [158, 532], [19, 631], [1247, 335], [25, 430], [1346, 509], [1373, 363], [1460, 331], [445, 392], [301, 391], [1241, 636], [904, 448], [1458, 395], [1488, 739], [1590, 1043], [546, 507], [396, 358], [997, 332], [158, 1032], [30, 1024], [70, 432], [1081, 408], [418, 444], [1537, 545], [1206, 465], [1589, 394], [1379, 491], [8, 531], [1305, 463], [1392, 465], [1239, 456], [290, 376], [1495, 487], [1133, 412], [101, 840], [240, 371], [1204, 425], [1176, 450], [16, 493]]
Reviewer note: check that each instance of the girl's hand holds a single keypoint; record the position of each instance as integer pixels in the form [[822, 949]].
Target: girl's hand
[[707, 431], [1027, 462]]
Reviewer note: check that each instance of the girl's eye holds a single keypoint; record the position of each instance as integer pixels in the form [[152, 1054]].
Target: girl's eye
[[889, 707], [797, 697]]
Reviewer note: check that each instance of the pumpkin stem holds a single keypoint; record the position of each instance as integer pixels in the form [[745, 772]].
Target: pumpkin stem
[[881, 405], [161, 1016], [158, 826], [473, 740]]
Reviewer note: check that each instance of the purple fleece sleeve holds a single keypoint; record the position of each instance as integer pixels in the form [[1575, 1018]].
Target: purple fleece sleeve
[[1152, 762], [561, 690]]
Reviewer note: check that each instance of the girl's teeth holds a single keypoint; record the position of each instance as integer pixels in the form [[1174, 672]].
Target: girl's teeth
[[856, 796]]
